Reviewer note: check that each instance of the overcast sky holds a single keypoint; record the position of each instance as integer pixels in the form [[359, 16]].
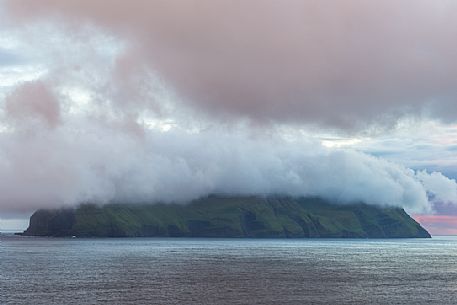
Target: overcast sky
[[141, 100]]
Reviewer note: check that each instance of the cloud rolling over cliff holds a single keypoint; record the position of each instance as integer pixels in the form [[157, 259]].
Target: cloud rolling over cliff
[[82, 159], [172, 100]]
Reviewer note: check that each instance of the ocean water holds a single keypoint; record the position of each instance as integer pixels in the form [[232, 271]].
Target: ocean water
[[227, 271]]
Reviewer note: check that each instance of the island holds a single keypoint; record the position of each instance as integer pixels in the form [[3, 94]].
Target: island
[[229, 216]]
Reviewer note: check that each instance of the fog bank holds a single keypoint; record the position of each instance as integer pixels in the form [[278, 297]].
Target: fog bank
[[87, 160], [146, 101]]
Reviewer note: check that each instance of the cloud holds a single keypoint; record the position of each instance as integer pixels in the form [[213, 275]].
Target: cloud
[[8, 58], [169, 110], [33, 100], [438, 224], [99, 160], [417, 144], [443, 188], [332, 63]]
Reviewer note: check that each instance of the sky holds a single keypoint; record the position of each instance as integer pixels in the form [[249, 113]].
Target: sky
[[144, 101]]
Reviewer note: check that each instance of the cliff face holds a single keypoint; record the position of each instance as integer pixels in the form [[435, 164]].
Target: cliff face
[[225, 216]]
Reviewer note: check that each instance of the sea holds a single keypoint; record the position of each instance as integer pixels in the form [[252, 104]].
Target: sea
[[227, 271]]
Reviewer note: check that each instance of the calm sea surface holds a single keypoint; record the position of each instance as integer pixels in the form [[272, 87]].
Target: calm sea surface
[[227, 271]]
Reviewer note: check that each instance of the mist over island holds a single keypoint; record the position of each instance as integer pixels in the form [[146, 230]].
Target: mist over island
[[228, 152], [123, 105]]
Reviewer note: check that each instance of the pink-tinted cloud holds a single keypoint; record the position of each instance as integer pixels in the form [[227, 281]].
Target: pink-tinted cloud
[[33, 100], [337, 63], [438, 224]]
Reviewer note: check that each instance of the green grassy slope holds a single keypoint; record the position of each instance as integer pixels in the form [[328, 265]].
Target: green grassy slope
[[228, 216]]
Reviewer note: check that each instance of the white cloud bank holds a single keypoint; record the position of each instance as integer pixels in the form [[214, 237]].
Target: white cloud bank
[[82, 159], [99, 127]]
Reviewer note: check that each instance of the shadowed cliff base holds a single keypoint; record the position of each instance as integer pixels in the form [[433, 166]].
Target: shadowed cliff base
[[229, 216]]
